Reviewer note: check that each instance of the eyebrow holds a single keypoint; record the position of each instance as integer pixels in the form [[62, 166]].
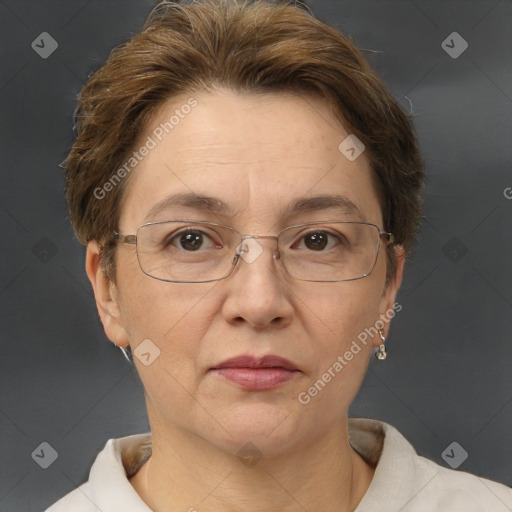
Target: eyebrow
[[215, 205]]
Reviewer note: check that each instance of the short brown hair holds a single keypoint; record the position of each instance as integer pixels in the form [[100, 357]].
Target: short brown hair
[[248, 47]]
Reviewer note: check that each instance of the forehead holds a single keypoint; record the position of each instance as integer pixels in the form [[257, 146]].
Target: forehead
[[255, 158]]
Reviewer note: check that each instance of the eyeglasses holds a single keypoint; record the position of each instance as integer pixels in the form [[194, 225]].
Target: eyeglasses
[[188, 251]]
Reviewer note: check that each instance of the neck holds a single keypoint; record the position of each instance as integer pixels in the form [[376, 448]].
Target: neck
[[188, 473]]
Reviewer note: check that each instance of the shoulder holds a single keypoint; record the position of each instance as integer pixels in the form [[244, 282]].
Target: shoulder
[[108, 486], [78, 500], [454, 490], [406, 481]]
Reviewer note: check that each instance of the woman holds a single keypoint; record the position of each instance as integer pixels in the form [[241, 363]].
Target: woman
[[248, 191]]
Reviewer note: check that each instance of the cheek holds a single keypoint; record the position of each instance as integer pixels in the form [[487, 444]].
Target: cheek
[[338, 318], [174, 317], [154, 309], [340, 314]]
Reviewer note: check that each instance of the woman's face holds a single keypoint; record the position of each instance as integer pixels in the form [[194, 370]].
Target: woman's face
[[257, 154]]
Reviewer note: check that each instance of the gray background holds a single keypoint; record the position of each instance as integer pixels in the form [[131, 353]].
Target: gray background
[[448, 374]]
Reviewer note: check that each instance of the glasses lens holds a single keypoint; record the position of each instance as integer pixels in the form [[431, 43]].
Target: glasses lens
[[186, 251], [337, 251]]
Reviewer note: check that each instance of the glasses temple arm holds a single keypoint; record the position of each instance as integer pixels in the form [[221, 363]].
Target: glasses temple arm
[[388, 237], [125, 239]]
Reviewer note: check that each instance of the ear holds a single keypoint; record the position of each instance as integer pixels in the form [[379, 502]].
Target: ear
[[387, 307], [106, 295]]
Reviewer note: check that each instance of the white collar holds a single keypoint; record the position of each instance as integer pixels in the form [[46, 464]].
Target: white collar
[[377, 442]]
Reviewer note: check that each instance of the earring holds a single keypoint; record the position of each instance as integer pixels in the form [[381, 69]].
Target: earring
[[381, 354], [125, 353]]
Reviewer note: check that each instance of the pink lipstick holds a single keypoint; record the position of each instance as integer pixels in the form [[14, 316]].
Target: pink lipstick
[[257, 374]]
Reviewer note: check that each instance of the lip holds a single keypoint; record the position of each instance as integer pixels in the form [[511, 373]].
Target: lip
[[257, 374], [248, 361]]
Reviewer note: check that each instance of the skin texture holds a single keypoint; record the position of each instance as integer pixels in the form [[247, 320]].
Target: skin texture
[[257, 153]]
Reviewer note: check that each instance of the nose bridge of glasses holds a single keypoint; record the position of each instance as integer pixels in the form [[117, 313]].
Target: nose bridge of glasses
[[257, 238], [245, 237], [250, 247]]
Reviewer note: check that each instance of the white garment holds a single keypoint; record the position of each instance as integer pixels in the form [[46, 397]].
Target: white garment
[[403, 481]]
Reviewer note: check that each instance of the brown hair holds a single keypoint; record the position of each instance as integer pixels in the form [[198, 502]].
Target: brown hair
[[251, 47]]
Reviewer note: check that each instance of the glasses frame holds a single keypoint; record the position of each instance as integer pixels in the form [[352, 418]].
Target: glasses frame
[[387, 238]]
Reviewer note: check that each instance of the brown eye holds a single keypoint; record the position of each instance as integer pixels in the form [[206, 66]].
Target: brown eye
[[191, 240], [320, 240], [316, 240]]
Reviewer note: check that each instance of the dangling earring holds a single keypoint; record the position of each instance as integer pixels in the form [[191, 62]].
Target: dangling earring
[[381, 354], [125, 353]]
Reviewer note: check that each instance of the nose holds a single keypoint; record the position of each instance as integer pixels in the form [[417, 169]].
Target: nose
[[258, 291], [250, 249]]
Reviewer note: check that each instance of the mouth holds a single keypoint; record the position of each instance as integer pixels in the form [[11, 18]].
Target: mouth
[[257, 374]]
